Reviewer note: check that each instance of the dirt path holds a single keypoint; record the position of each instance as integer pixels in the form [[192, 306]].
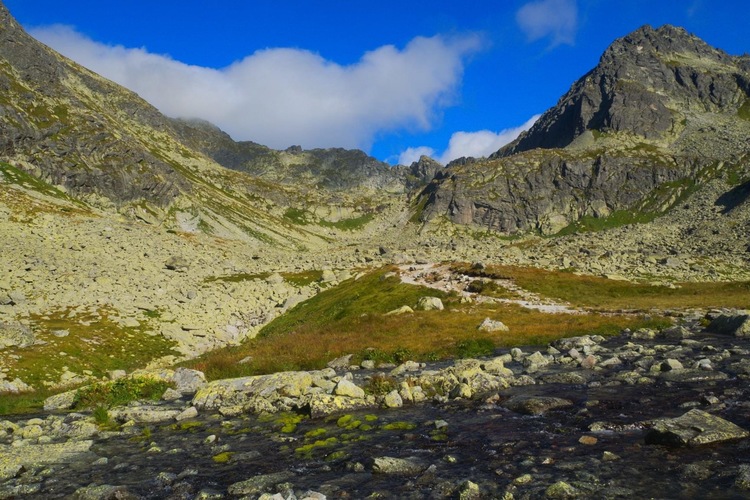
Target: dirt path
[[440, 277]]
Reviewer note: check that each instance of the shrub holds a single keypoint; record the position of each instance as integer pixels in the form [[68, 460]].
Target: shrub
[[120, 392], [473, 348]]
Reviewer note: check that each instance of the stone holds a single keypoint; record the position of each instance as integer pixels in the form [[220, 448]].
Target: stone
[[259, 484], [671, 364], [400, 310], [469, 491], [177, 263], [62, 401], [322, 405], [536, 405], [342, 362], [188, 413], [694, 428], [398, 466], [430, 304], [188, 381], [348, 389], [393, 400], [490, 325], [15, 335], [742, 480], [13, 459], [103, 492], [143, 414], [737, 325], [533, 362], [561, 489], [328, 276]]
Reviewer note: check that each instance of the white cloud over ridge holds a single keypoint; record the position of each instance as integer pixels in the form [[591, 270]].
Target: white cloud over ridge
[[477, 144], [557, 19], [281, 96]]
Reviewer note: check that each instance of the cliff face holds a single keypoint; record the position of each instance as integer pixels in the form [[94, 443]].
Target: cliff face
[[661, 113]]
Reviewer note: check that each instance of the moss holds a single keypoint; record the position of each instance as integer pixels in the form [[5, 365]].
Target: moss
[[297, 216], [308, 449], [399, 426], [288, 422], [223, 457], [348, 422], [336, 456], [316, 433], [744, 110], [186, 426]]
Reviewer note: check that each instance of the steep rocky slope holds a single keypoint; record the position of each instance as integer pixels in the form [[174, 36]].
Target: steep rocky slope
[[662, 113]]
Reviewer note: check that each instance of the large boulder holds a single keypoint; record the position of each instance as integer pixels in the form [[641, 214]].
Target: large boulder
[[15, 335], [694, 428], [728, 324], [430, 304]]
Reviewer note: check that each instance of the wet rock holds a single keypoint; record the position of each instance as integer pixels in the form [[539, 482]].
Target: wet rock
[[13, 459], [561, 489], [393, 400], [690, 375], [737, 325], [677, 333], [143, 414], [572, 378], [259, 484], [103, 492], [695, 427], [670, 364], [322, 405], [469, 491], [742, 481], [398, 466], [186, 414], [534, 362], [536, 405]]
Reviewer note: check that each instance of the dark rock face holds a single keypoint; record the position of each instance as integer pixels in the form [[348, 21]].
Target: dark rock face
[[643, 84], [48, 118], [335, 169], [423, 171], [638, 131]]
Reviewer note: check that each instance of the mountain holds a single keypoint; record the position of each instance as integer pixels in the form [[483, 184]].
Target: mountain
[[659, 116], [110, 150]]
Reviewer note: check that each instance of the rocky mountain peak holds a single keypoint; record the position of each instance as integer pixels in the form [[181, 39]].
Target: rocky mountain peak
[[650, 84]]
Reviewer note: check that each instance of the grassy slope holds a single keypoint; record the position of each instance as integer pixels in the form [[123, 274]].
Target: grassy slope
[[602, 293], [350, 319]]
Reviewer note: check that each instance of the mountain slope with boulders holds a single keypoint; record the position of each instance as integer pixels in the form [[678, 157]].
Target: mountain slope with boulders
[[660, 115]]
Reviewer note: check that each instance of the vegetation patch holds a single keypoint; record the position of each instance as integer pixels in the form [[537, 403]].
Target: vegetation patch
[[601, 293], [351, 319], [490, 288], [119, 392], [86, 343], [352, 224], [744, 111], [588, 223]]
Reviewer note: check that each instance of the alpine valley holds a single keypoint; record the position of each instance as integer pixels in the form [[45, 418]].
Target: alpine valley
[[187, 316]]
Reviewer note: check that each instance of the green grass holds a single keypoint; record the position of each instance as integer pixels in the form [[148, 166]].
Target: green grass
[[352, 224], [119, 393], [618, 218], [744, 111], [94, 343], [17, 176], [298, 279], [350, 319], [297, 216], [602, 293]]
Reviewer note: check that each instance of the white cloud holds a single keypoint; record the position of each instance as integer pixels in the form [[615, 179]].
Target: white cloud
[[476, 144], [557, 19], [413, 154], [279, 97]]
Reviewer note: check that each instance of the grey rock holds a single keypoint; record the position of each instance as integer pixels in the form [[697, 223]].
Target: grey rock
[[259, 484], [188, 381], [15, 335], [348, 389], [737, 325], [695, 427], [430, 304], [536, 405], [490, 325], [398, 466]]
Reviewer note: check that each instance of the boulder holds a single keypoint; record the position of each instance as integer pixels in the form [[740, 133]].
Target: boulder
[[259, 484], [63, 401], [349, 389], [694, 428], [398, 466], [188, 381], [430, 304], [737, 325], [322, 405], [535, 405], [15, 459], [15, 335], [491, 325]]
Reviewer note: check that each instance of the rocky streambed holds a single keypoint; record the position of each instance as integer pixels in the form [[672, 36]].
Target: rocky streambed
[[644, 414]]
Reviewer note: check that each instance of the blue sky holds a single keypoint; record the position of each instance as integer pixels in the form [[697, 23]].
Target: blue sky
[[393, 78]]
